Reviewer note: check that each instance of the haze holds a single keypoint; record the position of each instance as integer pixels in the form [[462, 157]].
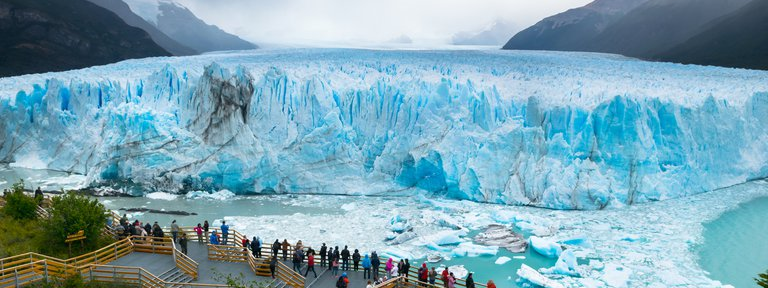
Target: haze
[[425, 23]]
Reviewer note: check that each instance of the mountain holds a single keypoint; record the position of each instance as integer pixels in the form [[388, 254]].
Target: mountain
[[124, 12], [574, 29], [495, 35], [659, 25], [632, 28], [54, 35], [737, 40], [182, 25]]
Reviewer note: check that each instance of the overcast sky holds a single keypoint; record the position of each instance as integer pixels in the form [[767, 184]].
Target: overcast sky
[[369, 22]]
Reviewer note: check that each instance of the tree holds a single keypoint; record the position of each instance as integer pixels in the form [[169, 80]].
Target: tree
[[19, 205], [237, 281], [73, 212], [762, 279]]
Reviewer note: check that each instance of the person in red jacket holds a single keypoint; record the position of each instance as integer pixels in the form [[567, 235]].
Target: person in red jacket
[[445, 277], [310, 265]]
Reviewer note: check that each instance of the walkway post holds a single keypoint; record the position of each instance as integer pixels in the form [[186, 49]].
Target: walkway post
[[16, 276], [45, 263]]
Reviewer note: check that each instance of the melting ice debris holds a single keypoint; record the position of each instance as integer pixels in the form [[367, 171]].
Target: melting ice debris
[[545, 246], [519, 128], [530, 275], [162, 196], [349, 207], [447, 237], [579, 240], [616, 275], [566, 265], [218, 195], [458, 271], [503, 260], [467, 249], [434, 258], [504, 237], [404, 237]]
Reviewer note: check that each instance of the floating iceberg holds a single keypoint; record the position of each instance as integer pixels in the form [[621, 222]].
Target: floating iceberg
[[530, 275], [546, 247], [547, 129]]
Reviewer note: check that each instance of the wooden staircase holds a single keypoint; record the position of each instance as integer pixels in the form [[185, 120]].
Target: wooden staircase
[[175, 275]]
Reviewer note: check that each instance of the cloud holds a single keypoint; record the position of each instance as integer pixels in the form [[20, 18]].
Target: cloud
[[313, 22]]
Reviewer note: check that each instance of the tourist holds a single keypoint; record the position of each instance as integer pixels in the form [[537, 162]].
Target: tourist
[[275, 248], [174, 230], [273, 265], [214, 238], [490, 284], [470, 281], [124, 220], [224, 232], [356, 259], [367, 268], [388, 267], [451, 281], [375, 263], [205, 227], [39, 196], [343, 281], [423, 273], [401, 266], [310, 265], [147, 228], [369, 284], [406, 269], [335, 266], [432, 276], [337, 253], [157, 231], [299, 245], [330, 256], [199, 231], [444, 277], [285, 249], [5, 193], [183, 243], [323, 254], [256, 248], [395, 271], [345, 259], [246, 243], [297, 261]]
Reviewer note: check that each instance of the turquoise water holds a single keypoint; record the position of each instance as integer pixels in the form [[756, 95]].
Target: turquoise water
[[503, 275], [735, 247]]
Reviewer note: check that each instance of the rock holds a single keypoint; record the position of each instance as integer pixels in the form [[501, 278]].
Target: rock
[[503, 237], [181, 213]]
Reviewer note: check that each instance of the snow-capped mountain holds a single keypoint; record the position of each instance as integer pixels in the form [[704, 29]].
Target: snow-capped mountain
[[549, 129], [184, 27]]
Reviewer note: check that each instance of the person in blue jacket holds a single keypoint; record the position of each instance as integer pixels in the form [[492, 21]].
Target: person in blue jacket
[[224, 232], [366, 267], [214, 238]]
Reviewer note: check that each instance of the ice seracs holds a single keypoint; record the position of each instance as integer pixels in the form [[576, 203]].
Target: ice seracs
[[556, 130]]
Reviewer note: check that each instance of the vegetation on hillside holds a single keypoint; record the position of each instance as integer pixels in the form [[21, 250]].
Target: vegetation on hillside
[[762, 279]]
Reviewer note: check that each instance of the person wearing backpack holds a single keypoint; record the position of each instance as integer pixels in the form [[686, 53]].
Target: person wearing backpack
[[423, 274], [432, 276], [273, 266], [297, 261], [343, 281], [275, 248], [285, 249], [330, 257]]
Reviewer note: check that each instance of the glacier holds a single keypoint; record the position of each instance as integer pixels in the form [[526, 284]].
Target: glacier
[[546, 129]]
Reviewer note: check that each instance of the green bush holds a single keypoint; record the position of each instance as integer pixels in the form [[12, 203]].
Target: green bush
[[762, 279], [77, 281], [18, 205], [73, 212]]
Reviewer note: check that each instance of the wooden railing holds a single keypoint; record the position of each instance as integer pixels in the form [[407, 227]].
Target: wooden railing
[[132, 275], [184, 263], [413, 276], [259, 266], [154, 245]]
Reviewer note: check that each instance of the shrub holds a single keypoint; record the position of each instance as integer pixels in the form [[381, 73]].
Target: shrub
[[73, 212], [762, 279], [18, 205]]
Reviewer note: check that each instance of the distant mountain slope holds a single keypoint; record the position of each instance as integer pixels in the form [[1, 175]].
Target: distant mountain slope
[[182, 25], [124, 12], [55, 35], [497, 34], [574, 29], [737, 40], [659, 25]]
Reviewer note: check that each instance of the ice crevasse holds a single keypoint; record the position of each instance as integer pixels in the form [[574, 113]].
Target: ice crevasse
[[556, 130]]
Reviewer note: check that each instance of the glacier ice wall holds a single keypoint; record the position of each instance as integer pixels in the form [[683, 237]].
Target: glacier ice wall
[[556, 130]]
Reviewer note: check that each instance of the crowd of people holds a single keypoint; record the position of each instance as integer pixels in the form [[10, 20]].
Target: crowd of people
[[334, 258]]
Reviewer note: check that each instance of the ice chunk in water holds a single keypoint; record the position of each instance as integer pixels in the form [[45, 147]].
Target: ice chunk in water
[[545, 246]]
